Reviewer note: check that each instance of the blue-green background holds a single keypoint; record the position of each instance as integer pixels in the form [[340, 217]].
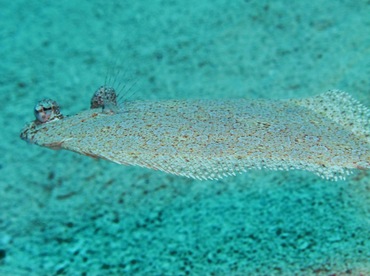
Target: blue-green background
[[66, 214]]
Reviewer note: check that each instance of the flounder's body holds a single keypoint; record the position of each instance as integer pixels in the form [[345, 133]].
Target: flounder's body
[[209, 139]]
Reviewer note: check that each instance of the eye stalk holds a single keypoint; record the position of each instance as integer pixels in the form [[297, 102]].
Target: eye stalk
[[105, 98], [47, 110]]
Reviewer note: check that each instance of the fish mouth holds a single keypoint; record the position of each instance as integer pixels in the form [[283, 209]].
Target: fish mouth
[[28, 132]]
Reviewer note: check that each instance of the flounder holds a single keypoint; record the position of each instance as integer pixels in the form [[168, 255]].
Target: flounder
[[328, 134]]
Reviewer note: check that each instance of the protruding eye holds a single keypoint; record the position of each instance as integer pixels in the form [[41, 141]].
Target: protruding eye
[[105, 98], [47, 110]]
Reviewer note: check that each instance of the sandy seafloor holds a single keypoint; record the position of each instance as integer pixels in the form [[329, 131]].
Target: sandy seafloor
[[66, 214]]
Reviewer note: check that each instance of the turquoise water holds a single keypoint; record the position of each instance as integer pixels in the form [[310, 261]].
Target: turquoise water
[[66, 214]]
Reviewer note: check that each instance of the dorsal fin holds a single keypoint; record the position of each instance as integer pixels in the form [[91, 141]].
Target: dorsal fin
[[341, 108]]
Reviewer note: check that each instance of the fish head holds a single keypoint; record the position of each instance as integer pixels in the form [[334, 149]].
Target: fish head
[[46, 112]]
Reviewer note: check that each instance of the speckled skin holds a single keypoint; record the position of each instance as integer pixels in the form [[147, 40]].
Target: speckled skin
[[210, 139]]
